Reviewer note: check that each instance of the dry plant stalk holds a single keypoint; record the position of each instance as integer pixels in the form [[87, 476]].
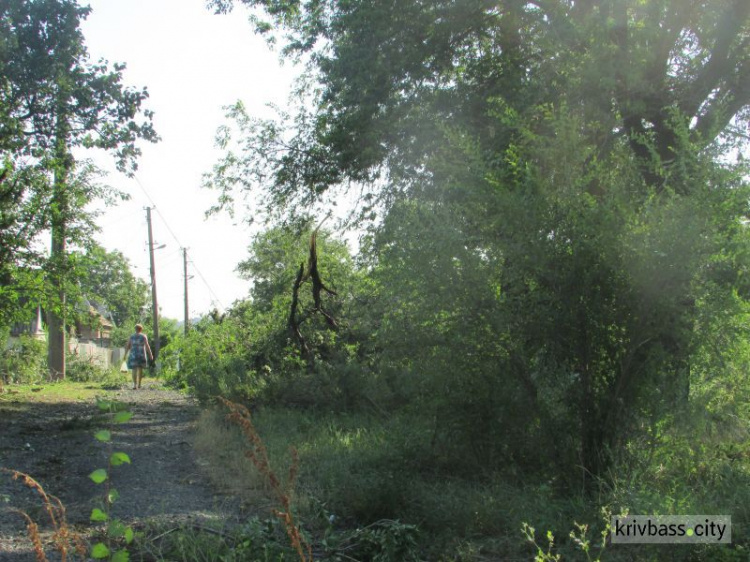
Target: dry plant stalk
[[257, 453], [65, 540]]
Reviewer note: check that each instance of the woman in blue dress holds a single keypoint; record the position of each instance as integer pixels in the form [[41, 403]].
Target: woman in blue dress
[[137, 349]]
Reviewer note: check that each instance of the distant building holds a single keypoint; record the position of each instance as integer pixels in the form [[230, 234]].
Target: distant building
[[95, 326], [90, 337], [98, 328], [35, 327]]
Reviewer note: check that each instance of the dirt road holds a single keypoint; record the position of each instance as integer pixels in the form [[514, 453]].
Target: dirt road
[[54, 443]]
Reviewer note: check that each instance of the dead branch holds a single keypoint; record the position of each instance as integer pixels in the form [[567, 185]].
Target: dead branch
[[293, 323]]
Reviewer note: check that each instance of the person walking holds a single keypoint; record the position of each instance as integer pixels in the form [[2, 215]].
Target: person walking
[[137, 360]]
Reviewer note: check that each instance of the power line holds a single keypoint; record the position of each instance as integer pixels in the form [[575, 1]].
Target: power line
[[210, 290], [215, 299], [156, 208], [122, 218]]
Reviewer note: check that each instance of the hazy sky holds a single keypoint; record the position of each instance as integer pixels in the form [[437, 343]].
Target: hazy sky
[[193, 63]]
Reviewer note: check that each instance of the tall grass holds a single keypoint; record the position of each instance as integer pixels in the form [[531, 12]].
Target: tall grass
[[359, 469]]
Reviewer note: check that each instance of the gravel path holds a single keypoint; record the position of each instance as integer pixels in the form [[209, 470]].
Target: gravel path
[[54, 443]]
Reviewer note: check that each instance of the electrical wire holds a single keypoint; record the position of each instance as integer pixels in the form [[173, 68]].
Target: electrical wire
[[215, 299]]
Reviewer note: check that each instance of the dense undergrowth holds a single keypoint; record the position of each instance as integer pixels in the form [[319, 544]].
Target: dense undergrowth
[[394, 423], [358, 469]]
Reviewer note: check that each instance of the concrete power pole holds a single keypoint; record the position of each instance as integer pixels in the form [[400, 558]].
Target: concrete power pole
[[187, 310], [154, 301]]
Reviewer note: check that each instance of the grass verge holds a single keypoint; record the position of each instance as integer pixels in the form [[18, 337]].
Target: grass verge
[[54, 392], [358, 470]]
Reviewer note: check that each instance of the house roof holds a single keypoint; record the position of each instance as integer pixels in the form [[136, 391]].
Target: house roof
[[100, 312]]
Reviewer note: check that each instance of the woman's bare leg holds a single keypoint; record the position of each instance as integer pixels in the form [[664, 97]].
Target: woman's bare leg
[[135, 377]]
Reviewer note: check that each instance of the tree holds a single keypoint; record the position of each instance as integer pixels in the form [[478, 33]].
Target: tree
[[22, 199], [108, 281], [579, 155], [389, 73], [54, 99]]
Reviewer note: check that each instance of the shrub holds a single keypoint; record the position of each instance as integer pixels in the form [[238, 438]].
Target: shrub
[[83, 369], [24, 361]]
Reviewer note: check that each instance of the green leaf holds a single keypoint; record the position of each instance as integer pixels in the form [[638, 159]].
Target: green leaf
[[99, 475], [116, 529], [119, 458], [103, 435], [122, 417], [100, 550], [129, 535], [121, 556], [98, 515], [113, 496], [104, 405]]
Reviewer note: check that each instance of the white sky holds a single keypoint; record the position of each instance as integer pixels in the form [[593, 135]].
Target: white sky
[[193, 63]]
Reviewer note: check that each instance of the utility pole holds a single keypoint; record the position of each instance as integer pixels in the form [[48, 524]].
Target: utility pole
[[187, 310], [154, 301]]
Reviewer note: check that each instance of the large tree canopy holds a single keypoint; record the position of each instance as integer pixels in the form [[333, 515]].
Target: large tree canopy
[[393, 75], [46, 74], [564, 213]]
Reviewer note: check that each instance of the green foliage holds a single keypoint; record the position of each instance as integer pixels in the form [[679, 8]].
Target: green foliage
[[554, 292], [579, 537], [257, 539], [52, 101], [100, 551], [250, 353], [23, 360], [379, 97], [44, 63], [22, 219], [548, 237], [117, 459], [108, 281], [87, 369], [382, 541], [210, 360], [103, 435], [97, 514], [361, 473], [169, 332], [98, 476]]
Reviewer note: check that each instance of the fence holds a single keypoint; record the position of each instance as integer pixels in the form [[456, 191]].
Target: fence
[[103, 356]]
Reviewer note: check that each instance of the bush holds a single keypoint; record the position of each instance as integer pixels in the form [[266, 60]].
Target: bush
[[24, 361], [212, 361], [84, 369]]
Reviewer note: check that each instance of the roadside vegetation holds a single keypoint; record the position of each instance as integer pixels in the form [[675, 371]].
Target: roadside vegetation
[[545, 318], [379, 438]]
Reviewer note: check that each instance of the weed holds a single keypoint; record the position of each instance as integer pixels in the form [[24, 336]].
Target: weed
[[578, 536], [541, 555], [54, 392], [258, 540], [116, 530], [86, 369], [382, 541], [257, 453], [65, 540]]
